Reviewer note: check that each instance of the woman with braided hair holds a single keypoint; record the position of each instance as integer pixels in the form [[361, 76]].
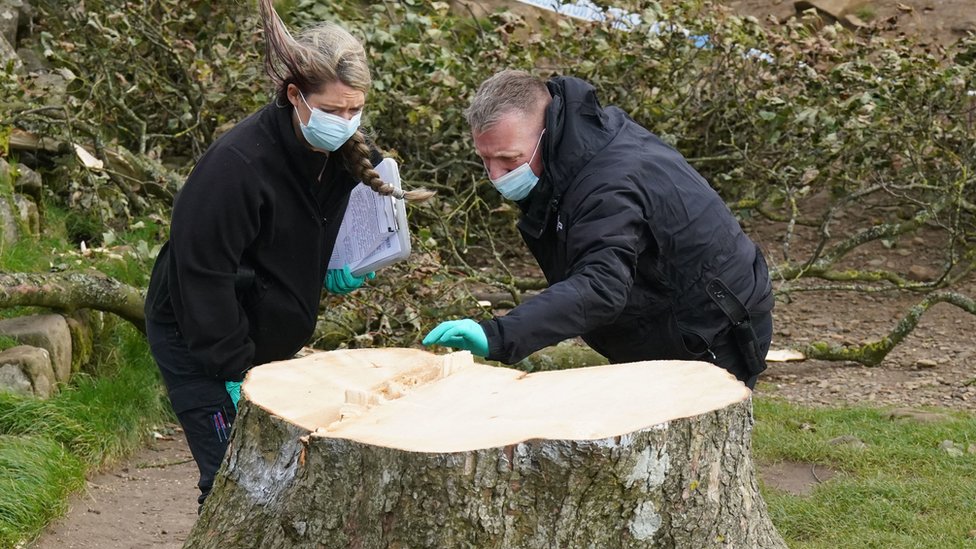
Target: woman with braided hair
[[240, 280]]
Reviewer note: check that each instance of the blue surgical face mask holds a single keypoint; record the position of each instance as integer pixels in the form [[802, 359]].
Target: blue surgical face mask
[[518, 183], [327, 131]]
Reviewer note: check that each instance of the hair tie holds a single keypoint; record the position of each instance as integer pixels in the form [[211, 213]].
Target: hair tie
[[398, 194]]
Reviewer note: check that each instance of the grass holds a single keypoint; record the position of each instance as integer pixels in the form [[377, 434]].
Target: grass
[[900, 491], [36, 476], [47, 446], [137, 246], [866, 13], [104, 414], [31, 255], [101, 415], [127, 255], [7, 342]]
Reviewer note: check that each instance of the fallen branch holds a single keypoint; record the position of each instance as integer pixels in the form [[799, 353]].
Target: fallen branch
[[71, 291], [127, 169], [871, 354]]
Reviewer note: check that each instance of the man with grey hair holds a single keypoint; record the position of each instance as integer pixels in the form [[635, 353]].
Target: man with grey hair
[[643, 258]]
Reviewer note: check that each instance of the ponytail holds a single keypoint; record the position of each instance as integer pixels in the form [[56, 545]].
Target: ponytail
[[356, 155]]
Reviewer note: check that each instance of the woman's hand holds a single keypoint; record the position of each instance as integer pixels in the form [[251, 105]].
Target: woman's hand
[[342, 281]]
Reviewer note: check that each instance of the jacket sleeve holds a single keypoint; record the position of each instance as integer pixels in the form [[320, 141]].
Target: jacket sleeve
[[602, 239], [216, 216]]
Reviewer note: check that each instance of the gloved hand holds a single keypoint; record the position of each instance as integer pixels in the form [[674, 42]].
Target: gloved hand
[[234, 390], [461, 334], [341, 281]]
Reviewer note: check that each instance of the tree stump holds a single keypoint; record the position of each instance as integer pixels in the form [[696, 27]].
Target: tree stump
[[401, 448]]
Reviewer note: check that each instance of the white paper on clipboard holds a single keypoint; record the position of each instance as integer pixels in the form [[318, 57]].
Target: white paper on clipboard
[[374, 232]]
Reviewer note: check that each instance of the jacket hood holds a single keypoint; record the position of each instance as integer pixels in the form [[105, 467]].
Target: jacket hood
[[577, 128]]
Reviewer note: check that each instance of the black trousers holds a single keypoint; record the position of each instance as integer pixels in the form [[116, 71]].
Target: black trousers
[[201, 403]]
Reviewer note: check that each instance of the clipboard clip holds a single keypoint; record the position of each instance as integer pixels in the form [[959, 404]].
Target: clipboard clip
[[396, 224]]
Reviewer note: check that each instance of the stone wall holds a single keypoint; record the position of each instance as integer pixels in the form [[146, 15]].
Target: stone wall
[[51, 348], [20, 187]]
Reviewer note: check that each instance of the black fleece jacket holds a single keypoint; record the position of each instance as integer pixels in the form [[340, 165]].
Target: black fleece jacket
[[628, 234], [258, 201]]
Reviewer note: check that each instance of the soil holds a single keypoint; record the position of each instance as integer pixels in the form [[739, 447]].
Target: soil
[[150, 501], [932, 23]]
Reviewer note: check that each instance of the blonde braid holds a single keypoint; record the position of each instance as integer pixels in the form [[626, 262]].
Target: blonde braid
[[356, 155]]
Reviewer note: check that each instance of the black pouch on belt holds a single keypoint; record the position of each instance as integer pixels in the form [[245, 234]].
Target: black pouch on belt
[[745, 336]]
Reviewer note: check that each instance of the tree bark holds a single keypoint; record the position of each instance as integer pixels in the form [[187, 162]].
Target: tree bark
[[653, 454], [72, 291]]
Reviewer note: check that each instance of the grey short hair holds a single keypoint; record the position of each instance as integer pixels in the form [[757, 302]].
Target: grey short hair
[[506, 92]]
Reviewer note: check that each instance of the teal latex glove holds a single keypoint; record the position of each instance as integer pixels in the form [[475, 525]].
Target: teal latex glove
[[234, 390], [341, 281], [461, 334]]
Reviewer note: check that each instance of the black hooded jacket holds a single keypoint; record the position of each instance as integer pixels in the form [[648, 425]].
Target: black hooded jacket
[[252, 232], [628, 234]]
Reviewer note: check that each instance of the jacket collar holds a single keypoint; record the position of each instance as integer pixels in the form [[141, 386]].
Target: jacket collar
[[308, 162], [577, 128]]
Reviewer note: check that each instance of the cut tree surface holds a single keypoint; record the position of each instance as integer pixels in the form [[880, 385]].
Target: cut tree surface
[[404, 448], [417, 401]]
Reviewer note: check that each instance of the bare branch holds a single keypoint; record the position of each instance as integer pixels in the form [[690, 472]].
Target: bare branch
[[69, 291], [871, 354]]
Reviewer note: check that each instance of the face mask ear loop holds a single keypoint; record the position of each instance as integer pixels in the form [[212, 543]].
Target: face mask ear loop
[[537, 144], [302, 95]]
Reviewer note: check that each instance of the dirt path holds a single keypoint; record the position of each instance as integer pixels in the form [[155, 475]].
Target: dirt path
[[148, 502]]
